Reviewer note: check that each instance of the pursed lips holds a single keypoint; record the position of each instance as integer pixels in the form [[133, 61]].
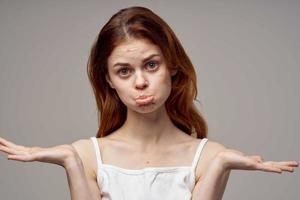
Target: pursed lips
[[144, 99]]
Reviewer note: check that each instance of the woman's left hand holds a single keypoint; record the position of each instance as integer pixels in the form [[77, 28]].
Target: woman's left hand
[[233, 159]]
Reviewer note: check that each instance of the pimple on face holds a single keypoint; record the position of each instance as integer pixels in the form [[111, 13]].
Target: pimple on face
[[133, 62], [133, 51]]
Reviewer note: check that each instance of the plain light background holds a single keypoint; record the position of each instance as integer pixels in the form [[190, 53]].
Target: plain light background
[[246, 54]]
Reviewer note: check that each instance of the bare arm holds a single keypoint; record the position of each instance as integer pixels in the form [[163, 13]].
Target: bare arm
[[212, 186], [212, 178], [82, 186], [86, 154], [79, 184]]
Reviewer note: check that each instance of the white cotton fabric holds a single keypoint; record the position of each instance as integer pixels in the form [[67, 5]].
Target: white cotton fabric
[[151, 183]]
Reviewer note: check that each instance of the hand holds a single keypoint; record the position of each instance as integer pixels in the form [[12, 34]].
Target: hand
[[59, 155], [233, 159]]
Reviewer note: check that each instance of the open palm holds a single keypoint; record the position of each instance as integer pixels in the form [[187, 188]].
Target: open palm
[[234, 159], [55, 155]]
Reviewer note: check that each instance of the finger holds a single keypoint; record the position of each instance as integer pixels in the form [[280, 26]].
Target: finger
[[10, 150], [268, 167], [285, 166], [283, 163], [289, 163], [23, 158], [7, 143]]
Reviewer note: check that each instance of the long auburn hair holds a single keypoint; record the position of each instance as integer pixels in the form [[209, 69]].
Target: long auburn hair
[[142, 23]]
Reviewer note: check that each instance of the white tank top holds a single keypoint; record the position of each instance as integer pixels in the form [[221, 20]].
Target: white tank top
[[151, 183]]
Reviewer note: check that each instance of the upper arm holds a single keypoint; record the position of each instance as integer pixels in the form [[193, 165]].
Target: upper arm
[[86, 153], [211, 189], [209, 153]]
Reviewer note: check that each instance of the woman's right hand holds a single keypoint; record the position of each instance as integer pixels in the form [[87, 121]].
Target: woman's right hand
[[59, 155]]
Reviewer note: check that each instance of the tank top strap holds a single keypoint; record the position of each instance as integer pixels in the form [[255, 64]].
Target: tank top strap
[[97, 150], [198, 153]]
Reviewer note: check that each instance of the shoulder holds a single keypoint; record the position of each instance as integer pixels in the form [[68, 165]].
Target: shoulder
[[82, 146], [86, 152], [212, 148], [209, 152]]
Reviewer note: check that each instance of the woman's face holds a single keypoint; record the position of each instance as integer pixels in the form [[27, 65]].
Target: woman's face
[[138, 72]]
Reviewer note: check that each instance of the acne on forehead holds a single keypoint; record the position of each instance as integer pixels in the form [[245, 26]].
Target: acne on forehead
[[132, 48], [135, 46]]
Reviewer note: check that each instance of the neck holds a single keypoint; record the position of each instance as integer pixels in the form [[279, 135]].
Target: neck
[[148, 129]]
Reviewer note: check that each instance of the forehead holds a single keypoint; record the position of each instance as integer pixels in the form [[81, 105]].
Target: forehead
[[133, 49]]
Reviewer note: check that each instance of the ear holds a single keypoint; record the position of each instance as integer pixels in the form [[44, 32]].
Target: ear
[[109, 81]]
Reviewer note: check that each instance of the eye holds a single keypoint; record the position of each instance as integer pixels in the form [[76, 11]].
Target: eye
[[123, 71], [152, 65]]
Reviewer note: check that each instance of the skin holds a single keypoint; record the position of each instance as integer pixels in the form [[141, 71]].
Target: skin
[[145, 126], [147, 138]]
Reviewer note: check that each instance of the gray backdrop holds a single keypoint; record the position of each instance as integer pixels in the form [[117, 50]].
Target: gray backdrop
[[246, 54]]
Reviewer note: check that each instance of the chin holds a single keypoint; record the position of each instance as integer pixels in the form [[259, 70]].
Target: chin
[[144, 109]]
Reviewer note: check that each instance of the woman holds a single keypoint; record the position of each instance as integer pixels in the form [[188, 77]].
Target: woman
[[152, 142]]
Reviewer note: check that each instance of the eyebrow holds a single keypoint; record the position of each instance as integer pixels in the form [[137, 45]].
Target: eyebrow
[[144, 60]]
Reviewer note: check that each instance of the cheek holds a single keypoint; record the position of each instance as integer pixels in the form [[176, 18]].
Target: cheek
[[163, 83], [123, 90], [165, 79]]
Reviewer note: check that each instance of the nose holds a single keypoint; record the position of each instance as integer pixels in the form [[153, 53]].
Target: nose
[[141, 82]]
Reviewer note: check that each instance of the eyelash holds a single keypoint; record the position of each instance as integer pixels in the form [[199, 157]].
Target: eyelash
[[153, 62], [147, 64]]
